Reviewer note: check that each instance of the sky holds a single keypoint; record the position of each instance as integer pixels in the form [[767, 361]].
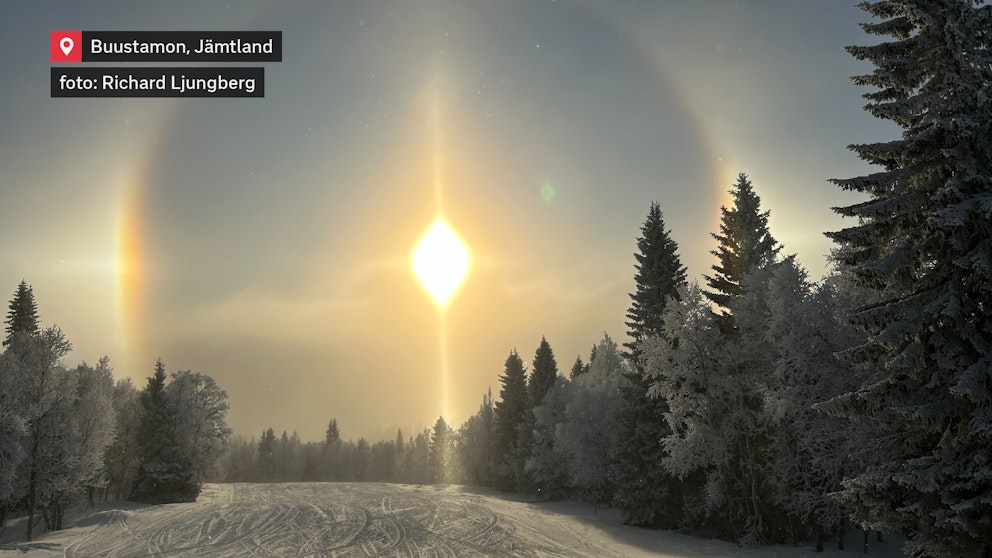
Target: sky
[[268, 242]]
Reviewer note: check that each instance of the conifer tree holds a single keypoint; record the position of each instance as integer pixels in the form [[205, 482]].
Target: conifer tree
[[645, 492], [476, 442], [924, 242], [510, 410], [164, 475], [440, 458], [543, 373], [577, 368], [709, 425], [23, 313], [659, 275], [745, 243], [267, 455], [589, 434], [542, 377], [332, 434], [547, 466], [800, 326]]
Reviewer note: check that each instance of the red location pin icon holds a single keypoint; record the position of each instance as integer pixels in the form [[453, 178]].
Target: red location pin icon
[[66, 46]]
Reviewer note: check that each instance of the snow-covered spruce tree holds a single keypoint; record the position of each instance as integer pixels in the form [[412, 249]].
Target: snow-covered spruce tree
[[22, 323], [510, 410], [165, 475], [645, 492], [792, 330], [266, 463], [680, 366], [417, 452], [361, 459], [542, 376], [441, 453], [333, 433], [476, 444], [660, 274], [399, 459], [590, 432], [548, 464], [23, 313], [331, 454], [924, 242], [577, 368], [289, 457], [712, 386], [745, 243]]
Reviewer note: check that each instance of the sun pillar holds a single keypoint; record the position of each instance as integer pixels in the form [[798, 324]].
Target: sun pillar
[[441, 263]]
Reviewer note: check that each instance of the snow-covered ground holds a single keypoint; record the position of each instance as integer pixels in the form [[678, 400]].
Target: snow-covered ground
[[372, 519]]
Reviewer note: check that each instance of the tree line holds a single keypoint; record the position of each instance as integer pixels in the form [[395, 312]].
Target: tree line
[[70, 435], [285, 458]]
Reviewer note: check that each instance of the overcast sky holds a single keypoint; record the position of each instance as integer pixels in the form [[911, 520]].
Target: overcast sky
[[267, 242]]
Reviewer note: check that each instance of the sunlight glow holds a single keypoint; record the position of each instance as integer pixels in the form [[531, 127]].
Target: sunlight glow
[[440, 261]]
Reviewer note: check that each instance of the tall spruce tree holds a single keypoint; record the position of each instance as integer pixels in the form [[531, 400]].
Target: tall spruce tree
[[577, 368], [645, 492], [23, 313], [441, 455], [924, 242], [475, 444], [543, 373], [542, 377], [589, 433], [164, 475], [659, 275], [333, 434], [548, 464], [267, 455], [745, 243], [510, 410]]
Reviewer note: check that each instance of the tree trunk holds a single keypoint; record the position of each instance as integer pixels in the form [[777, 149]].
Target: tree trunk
[[32, 490]]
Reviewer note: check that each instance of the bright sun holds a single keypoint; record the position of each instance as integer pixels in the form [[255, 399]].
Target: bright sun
[[440, 261]]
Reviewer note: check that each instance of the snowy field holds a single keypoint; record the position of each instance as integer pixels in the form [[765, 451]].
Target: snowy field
[[372, 519]]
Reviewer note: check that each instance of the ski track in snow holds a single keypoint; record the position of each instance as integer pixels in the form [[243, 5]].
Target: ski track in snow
[[319, 520], [350, 520]]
